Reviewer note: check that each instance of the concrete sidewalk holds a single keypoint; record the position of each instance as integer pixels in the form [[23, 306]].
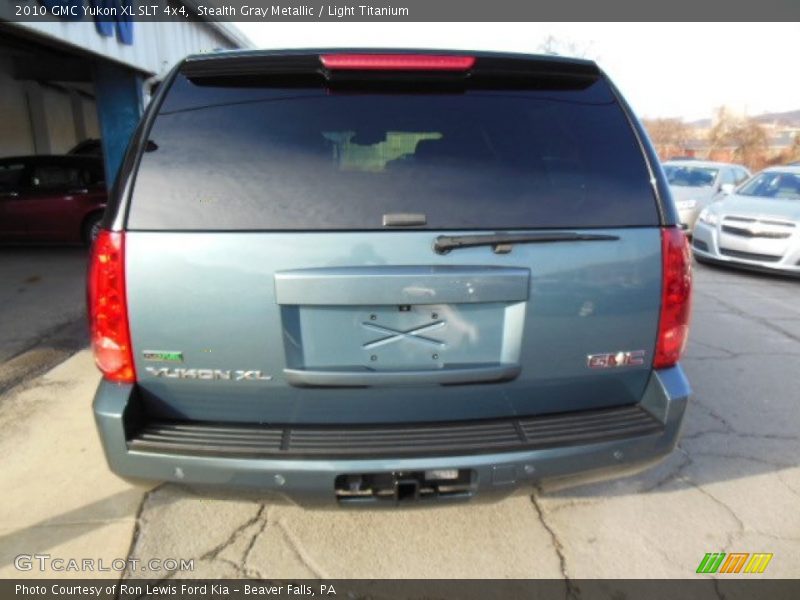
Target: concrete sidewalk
[[59, 496]]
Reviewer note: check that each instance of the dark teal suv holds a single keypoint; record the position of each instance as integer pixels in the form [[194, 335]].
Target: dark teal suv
[[382, 277]]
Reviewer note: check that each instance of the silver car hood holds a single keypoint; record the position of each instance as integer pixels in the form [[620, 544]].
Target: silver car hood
[[683, 192], [751, 206]]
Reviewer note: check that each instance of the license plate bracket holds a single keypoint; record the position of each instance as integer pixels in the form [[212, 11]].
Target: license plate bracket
[[400, 337]]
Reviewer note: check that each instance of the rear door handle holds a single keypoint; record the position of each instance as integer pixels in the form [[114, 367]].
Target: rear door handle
[[78, 191]]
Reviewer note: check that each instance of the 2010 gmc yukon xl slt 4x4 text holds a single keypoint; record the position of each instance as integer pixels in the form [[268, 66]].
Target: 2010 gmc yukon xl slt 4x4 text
[[388, 276]]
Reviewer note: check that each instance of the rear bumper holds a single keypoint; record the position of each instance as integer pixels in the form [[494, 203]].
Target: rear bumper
[[311, 480]]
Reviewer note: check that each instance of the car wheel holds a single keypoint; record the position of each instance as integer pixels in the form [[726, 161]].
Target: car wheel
[[91, 228]]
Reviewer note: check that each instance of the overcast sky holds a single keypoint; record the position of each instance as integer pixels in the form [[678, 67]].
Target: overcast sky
[[663, 69]]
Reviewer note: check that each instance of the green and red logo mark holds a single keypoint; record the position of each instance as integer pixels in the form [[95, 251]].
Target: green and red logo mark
[[735, 562]]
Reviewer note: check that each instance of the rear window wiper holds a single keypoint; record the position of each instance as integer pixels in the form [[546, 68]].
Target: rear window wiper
[[502, 242]]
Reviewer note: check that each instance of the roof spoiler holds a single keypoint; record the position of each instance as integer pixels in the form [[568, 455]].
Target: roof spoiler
[[332, 67]]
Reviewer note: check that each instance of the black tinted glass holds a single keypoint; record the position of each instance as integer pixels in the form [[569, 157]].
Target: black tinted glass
[[55, 176], [308, 158], [11, 175]]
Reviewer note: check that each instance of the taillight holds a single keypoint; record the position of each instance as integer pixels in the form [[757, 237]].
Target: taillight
[[676, 296], [397, 62], [108, 311]]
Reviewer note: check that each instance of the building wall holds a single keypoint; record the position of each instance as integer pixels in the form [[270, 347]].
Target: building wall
[[90, 118], [49, 117], [60, 119], [16, 134], [42, 118], [156, 46]]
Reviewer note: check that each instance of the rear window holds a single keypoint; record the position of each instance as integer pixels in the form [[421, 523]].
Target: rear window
[[270, 158]]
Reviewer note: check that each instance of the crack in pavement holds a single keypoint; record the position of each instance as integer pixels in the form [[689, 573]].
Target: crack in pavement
[[213, 554], [565, 504], [736, 356], [789, 486], [718, 591], [703, 432], [730, 536], [217, 550], [739, 523], [571, 590], [737, 456], [673, 474], [137, 530], [713, 414], [694, 342], [741, 527], [752, 318], [236, 567], [253, 571], [729, 354], [297, 550], [733, 431], [766, 436], [778, 437]]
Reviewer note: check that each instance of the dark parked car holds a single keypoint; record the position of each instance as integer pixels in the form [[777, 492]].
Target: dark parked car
[[388, 277], [51, 198]]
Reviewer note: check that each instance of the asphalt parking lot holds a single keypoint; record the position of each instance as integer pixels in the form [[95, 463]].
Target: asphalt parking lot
[[733, 484], [41, 309]]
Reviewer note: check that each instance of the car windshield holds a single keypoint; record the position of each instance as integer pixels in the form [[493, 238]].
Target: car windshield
[[773, 184], [685, 176]]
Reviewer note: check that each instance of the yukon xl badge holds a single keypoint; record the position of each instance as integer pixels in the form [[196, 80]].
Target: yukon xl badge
[[615, 359], [208, 374]]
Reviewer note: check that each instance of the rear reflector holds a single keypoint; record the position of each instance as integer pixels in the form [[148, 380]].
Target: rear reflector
[[396, 62], [676, 292], [108, 311]]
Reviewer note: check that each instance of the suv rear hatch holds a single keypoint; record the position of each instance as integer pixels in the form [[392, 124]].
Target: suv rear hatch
[[356, 240]]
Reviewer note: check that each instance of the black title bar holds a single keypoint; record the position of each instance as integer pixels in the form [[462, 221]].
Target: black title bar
[[401, 10], [702, 588]]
